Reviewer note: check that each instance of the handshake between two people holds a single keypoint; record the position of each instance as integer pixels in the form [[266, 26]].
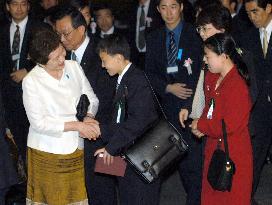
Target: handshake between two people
[[89, 129]]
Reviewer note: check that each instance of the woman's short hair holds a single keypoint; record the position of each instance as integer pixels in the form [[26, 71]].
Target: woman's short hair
[[218, 16], [43, 42]]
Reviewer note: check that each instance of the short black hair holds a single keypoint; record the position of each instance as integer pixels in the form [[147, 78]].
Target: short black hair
[[114, 44], [178, 1], [79, 4], [76, 17], [101, 6], [260, 3], [9, 1], [218, 16], [202, 4], [42, 43]]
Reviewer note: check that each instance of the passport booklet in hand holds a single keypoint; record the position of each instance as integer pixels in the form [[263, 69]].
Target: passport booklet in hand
[[117, 168]]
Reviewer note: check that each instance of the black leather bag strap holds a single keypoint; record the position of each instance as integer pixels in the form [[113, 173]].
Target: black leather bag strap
[[158, 102], [225, 139]]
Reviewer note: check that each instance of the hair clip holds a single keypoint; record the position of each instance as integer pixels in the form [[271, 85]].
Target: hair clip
[[239, 51]]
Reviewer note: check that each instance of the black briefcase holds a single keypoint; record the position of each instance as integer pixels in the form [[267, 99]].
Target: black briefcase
[[159, 147]]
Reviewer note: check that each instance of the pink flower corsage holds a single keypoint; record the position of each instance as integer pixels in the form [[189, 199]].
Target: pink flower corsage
[[187, 64]]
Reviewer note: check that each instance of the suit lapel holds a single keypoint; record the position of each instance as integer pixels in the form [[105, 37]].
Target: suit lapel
[[122, 88], [7, 42]]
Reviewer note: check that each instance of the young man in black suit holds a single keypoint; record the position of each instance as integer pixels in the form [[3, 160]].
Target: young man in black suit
[[71, 26], [173, 62], [151, 20], [134, 112], [259, 42]]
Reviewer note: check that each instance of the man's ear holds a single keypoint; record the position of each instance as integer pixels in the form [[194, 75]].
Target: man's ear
[[82, 29], [7, 7], [268, 8], [232, 6], [181, 8], [158, 9]]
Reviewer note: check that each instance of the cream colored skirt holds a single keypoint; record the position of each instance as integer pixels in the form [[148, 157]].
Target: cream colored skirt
[[56, 179]]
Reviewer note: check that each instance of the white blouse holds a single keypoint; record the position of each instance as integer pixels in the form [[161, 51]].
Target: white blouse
[[49, 103]]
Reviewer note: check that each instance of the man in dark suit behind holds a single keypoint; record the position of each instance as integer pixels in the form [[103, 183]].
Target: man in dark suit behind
[[105, 21], [152, 21], [259, 42], [71, 26], [173, 62], [15, 44]]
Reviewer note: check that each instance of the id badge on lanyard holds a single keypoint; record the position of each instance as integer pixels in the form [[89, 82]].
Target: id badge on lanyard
[[211, 109]]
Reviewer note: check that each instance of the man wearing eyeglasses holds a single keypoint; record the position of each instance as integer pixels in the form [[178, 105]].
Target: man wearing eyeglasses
[[71, 27]]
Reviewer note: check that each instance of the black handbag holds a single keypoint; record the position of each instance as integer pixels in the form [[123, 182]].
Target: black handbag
[[159, 147], [82, 107], [221, 168]]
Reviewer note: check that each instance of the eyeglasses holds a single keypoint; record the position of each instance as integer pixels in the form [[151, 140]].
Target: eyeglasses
[[65, 35], [203, 29]]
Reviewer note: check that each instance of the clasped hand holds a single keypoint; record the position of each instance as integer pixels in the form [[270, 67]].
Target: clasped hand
[[195, 131], [90, 129]]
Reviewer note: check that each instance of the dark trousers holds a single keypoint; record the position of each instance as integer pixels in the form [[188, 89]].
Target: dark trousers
[[134, 191], [190, 169], [261, 142], [190, 166], [100, 187], [3, 193]]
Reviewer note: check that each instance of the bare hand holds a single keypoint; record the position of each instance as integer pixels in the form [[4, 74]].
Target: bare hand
[[179, 90], [18, 75], [183, 116], [90, 131], [107, 158], [195, 131], [90, 120]]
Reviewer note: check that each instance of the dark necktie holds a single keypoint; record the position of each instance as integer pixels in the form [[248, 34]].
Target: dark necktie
[[16, 47], [141, 38], [172, 50]]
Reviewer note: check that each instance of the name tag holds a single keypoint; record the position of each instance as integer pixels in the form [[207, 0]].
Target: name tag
[[16, 57], [172, 69]]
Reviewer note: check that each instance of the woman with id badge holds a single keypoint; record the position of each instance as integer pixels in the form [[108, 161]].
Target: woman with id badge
[[227, 97]]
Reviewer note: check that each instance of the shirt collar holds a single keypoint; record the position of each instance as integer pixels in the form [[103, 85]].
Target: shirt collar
[[146, 4], [22, 24], [176, 30], [81, 49], [123, 73], [268, 28], [110, 31]]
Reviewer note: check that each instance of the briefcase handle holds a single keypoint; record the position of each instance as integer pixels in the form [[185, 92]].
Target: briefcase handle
[[158, 102]]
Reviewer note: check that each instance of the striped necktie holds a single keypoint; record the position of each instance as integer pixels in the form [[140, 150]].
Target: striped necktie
[[265, 42], [141, 37], [172, 50], [16, 47]]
